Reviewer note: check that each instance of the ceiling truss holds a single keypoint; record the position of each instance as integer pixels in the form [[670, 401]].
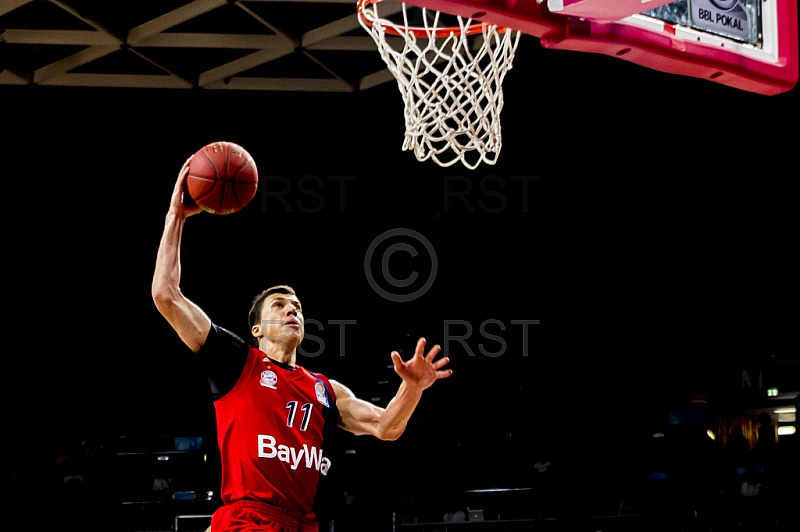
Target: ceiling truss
[[313, 45]]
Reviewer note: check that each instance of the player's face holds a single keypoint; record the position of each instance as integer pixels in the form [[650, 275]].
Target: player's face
[[282, 318]]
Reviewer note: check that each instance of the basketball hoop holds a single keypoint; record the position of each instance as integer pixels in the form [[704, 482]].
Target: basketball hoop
[[450, 77]]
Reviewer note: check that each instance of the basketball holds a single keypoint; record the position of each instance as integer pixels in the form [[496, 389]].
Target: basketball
[[222, 178]]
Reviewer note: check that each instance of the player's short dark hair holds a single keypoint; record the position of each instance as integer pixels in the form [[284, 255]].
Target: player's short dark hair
[[254, 318]]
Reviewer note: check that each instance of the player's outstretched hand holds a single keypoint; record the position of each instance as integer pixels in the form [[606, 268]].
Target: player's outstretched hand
[[181, 203], [421, 371]]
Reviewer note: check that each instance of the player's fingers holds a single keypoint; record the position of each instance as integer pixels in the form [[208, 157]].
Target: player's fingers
[[178, 188], [179, 181], [420, 347], [444, 373], [397, 361], [185, 170], [432, 353], [442, 362]]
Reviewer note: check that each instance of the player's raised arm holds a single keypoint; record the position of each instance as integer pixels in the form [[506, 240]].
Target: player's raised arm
[[418, 374], [188, 320]]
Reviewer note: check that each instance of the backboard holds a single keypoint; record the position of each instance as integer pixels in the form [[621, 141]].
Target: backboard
[[750, 45]]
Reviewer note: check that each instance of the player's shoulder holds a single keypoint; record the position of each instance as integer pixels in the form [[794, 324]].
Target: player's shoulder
[[220, 333], [314, 374], [340, 389], [221, 340]]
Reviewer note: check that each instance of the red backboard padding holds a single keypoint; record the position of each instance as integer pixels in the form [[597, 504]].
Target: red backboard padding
[[655, 46]]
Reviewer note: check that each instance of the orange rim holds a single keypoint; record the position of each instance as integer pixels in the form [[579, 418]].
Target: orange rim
[[418, 31]]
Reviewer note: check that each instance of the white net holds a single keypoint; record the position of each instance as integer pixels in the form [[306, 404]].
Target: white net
[[450, 77]]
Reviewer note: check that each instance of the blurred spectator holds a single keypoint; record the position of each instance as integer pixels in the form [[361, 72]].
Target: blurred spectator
[[738, 448], [699, 462], [766, 447], [737, 461]]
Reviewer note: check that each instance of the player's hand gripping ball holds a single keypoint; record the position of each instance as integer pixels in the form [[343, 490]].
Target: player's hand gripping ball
[[222, 178]]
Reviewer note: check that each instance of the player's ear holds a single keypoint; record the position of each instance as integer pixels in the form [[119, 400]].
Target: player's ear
[[255, 330]]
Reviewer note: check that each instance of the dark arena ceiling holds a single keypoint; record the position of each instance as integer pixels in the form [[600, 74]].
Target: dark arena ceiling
[[295, 45]]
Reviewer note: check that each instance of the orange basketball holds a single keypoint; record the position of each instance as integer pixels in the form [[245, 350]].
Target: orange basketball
[[222, 178]]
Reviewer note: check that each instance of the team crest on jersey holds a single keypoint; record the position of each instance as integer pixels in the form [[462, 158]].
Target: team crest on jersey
[[322, 394], [269, 379]]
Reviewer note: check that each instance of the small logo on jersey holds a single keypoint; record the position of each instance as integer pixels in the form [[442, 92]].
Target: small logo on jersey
[[322, 394], [268, 379]]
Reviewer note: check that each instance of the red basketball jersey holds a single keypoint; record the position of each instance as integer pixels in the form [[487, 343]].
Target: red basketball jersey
[[271, 429]]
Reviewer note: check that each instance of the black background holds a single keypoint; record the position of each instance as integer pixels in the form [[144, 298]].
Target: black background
[[655, 250]]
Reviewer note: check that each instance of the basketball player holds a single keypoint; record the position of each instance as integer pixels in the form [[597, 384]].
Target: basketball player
[[273, 416]]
